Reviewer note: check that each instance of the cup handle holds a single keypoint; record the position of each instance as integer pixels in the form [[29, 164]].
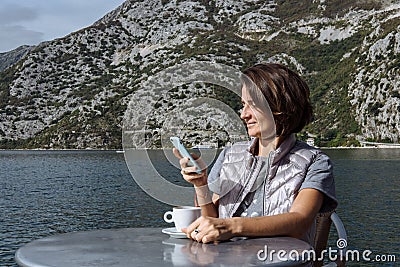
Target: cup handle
[[166, 217]]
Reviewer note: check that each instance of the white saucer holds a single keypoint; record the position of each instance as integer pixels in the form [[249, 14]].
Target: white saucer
[[173, 232]]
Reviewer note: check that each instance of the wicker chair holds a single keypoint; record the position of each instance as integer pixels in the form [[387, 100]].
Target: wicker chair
[[324, 221]]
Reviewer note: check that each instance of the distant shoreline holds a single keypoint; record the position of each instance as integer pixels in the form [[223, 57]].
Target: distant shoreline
[[361, 147], [58, 149], [122, 151]]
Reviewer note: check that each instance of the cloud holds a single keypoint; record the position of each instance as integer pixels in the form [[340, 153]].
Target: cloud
[[33, 21], [12, 32], [10, 35], [13, 13]]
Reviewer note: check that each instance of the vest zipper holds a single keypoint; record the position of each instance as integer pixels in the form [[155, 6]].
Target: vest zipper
[[267, 181], [252, 169]]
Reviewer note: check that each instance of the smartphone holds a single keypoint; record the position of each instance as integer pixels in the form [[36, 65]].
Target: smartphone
[[184, 152]]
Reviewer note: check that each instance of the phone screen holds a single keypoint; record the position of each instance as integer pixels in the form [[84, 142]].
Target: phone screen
[[184, 152]]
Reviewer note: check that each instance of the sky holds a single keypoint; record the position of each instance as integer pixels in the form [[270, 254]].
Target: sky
[[29, 22]]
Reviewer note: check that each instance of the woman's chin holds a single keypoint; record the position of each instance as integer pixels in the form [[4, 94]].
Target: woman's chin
[[253, 134]]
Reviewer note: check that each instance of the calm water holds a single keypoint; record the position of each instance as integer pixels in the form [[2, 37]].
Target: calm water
[[48, 192]]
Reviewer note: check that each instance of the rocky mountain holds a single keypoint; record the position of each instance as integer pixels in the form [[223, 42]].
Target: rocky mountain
[[73, 92], [8, 59]]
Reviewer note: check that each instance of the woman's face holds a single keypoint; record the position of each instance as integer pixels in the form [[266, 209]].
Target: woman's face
[[259, 120]]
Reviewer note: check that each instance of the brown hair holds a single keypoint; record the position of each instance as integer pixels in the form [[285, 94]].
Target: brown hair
[[287, 94]]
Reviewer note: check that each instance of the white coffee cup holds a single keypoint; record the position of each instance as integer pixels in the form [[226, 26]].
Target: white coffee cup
[[182, 216]]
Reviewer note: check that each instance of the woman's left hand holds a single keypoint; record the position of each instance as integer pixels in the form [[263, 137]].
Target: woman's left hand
[[209, 229]]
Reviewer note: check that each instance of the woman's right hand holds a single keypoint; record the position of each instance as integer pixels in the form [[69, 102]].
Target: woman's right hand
[[189, 173]]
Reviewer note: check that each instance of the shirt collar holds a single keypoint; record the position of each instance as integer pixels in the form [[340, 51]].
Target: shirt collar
[[284, 148]]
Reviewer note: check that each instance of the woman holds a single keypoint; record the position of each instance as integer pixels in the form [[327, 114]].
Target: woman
[[274, 184]]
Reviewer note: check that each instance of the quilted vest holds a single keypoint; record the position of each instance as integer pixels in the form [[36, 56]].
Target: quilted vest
[[286, 170]]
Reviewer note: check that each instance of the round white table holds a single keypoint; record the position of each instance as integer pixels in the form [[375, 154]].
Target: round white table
[[151, 247]]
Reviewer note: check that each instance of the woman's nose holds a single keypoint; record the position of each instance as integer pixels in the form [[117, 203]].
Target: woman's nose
[[244, 113]]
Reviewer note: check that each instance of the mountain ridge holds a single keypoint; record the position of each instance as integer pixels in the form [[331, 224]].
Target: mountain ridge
[[9, 58], [72, 92]]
